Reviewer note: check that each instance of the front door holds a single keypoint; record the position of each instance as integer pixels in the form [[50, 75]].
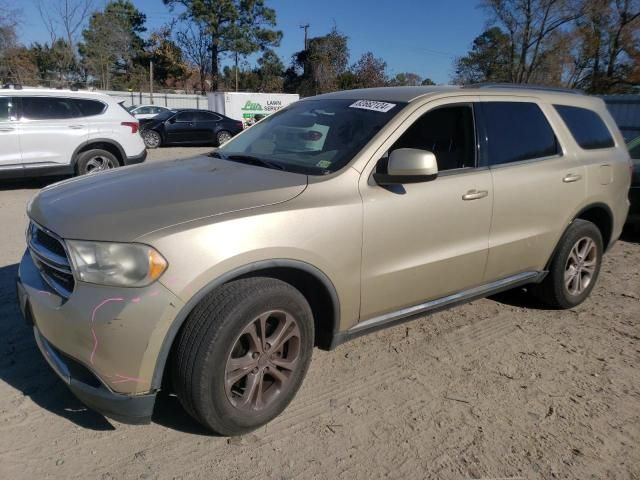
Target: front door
[[181, 128], [10, 155], [423, 241]]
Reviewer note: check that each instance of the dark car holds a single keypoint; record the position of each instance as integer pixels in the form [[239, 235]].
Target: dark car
[[634, 192], [189, 127]]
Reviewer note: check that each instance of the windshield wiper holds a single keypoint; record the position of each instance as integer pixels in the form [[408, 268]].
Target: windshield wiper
[[251, 160]]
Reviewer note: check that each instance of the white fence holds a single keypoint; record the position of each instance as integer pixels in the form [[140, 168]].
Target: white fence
[[170, 100]]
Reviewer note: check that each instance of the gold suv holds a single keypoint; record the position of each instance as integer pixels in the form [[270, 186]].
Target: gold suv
[[344, 213]]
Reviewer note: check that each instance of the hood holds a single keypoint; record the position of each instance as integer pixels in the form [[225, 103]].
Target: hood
[[126, 203]]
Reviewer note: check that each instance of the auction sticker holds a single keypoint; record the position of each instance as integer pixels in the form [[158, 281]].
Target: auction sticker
[[373, 105]]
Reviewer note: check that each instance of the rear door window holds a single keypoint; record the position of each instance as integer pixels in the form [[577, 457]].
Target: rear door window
[[586, 126], [206, 117], [517, 131], [49, 108]]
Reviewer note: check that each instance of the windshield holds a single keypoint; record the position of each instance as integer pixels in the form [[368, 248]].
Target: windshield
[[315, 137]]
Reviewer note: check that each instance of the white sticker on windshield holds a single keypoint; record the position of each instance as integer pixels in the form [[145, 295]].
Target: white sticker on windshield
[[373, 105]]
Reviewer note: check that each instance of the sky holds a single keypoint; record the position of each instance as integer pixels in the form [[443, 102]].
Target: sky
[[420, 36]]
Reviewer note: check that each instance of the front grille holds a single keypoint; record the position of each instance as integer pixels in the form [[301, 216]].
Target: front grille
[[50, 257]]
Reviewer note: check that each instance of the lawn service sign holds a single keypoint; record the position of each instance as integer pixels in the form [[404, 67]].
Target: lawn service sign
[[245, 106]]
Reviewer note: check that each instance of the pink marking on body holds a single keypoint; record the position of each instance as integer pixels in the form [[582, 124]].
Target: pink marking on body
[[135, 300], [124, 378], [44, 292], [154, 294], [93, 318], [95, 345]]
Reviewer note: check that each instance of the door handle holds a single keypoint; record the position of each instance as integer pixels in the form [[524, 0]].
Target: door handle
[[571, 177], [76, 127], [475, 194]]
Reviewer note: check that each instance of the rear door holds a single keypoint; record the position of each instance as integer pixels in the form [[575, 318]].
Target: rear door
[[206, 126], [51, 128], [10, 156], [536, 183]]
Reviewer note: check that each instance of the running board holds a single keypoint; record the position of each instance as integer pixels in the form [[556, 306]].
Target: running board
[[394, 318]]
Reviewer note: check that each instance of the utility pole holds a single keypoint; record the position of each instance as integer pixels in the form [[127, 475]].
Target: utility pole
[[151, 82], [306, 27], [236, 71]]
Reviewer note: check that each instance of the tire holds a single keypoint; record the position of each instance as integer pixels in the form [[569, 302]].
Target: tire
[[96, 160], [571, 275], [152, 139], [216, 346], [223, 136]]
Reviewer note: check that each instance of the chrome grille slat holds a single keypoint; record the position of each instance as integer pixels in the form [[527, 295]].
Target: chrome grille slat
[[45, 249]]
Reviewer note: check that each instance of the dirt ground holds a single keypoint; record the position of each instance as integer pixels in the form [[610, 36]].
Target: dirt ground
[[495, 389]]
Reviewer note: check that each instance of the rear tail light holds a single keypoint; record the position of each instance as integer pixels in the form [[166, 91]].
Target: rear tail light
[[135, 126]]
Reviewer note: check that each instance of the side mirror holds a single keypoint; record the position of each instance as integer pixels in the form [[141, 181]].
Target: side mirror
[[408, 165]]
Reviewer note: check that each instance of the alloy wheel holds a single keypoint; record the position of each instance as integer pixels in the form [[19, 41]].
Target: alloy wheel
[[99, 164], [581, 266], [262, 361]]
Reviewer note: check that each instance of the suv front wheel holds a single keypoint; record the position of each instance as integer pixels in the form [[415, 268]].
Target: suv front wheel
[[243, 353], [574, 268]]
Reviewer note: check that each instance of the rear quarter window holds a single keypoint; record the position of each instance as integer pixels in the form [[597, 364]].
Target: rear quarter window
[[586, 127], [89, 108], [517, 131]]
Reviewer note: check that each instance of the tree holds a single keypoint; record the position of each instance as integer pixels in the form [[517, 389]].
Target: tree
[[166, 55], [16, 62], [196, 47], [369, 71], [488, 61], [113, 48], [605, 47], [406, 79], [322, 63], [531, 28], [427, 82], [270, 72], [239, 26], [64, 19]]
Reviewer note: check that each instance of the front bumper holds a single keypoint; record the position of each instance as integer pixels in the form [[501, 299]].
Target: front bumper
[[102, 341], [131, 409]]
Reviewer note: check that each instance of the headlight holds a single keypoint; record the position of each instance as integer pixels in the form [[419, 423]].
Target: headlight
[[116, 264]]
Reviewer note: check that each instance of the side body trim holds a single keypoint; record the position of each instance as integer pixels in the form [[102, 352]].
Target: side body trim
[[410, 313]]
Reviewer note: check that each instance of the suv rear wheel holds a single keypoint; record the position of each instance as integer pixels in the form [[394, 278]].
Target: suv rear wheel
[[243, 353], [574, 268], [96, 160]]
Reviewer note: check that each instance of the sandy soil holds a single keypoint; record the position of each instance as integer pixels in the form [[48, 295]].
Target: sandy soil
[[496, 388]]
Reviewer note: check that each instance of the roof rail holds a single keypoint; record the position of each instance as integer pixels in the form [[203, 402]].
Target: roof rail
[[14, 86], [524, 86]]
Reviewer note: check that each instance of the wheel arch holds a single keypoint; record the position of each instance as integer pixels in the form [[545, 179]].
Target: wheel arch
[[597, 213], [314, 284], [107, 144], [602, 217]]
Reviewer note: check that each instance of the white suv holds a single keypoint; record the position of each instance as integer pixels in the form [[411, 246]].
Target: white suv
[[59, 132]]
